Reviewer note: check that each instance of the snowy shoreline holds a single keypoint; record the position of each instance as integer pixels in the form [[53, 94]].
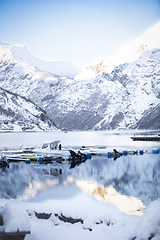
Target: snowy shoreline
[[63, 211], [83, 217]]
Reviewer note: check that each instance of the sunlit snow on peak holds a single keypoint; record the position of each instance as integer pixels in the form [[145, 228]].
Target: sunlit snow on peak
[[126, 54], [20, 54]]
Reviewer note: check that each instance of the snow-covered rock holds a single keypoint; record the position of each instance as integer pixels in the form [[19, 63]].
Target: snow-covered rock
[[95, 220], [15, 218]]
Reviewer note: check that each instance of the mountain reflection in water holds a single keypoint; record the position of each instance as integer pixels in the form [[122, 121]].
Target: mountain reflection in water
[[130, 180], [126, 204], [130, 183]]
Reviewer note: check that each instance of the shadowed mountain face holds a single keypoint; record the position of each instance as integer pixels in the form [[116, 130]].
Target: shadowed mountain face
[[126, 98]]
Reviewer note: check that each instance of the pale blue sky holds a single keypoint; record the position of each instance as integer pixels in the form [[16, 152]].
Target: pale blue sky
[[78, 31]]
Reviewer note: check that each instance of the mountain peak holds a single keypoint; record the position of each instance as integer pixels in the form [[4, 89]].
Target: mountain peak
[[21, 55], [126, 54]]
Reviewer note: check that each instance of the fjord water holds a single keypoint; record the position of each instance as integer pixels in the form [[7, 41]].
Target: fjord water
[[130, 182], [111, 139]]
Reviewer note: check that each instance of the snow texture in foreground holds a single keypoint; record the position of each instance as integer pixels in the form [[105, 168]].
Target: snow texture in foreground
[[82, 217], [15, 218]]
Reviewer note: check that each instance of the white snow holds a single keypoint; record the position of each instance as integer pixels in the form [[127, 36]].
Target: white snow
[[15, 218], [126, 94], [21, 55], [126, 54], [150, 222], [99, 221]]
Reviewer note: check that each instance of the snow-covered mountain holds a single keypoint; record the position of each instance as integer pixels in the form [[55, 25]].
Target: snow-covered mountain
[[23, 56], [124, 92], [126, 54], [19, 114], [129, 97], [26, 78]]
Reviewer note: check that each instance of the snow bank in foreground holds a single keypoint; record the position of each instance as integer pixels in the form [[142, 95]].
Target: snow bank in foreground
[[149, 227], [15, 218], [84, 218]]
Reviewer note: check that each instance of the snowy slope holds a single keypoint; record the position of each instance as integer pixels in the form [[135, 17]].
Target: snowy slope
[[23, 56], [113, 101], [18, 113], [127, 96], [126, 54]]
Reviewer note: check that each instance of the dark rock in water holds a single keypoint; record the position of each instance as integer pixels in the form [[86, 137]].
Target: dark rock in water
[[69, 219], [43, 215]]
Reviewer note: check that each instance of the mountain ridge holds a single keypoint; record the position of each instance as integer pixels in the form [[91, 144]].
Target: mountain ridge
[[127, 53], [22, 55], [127, 97], [19, 113]]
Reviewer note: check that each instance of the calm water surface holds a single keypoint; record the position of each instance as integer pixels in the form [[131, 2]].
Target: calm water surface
[[92, 138], [130, 183]]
